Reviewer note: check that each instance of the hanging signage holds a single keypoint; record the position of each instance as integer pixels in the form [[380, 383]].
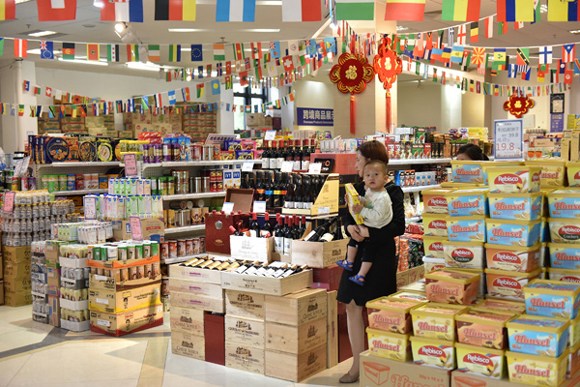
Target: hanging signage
[[508, 137], [315, 117]]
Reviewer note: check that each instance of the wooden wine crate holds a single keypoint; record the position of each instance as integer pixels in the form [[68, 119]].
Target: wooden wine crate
[[332, 330], [318, 254], [188, 344], [267, 285], [201, 288], [195, 274], [297, 308], [187, 320], [246, 358], [296, 339], [289, 366], [245, 331], [191, 300], [245, 304], [252, 249]]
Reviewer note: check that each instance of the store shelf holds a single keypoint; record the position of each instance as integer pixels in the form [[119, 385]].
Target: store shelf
[[202, 163], [79, 192], [92, 164], [419, 161], [413, 219], [419, 188], [201, 195], [180, 230], [170, 261]]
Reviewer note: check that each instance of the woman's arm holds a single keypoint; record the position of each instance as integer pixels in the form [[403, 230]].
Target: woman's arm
[[397, 225]]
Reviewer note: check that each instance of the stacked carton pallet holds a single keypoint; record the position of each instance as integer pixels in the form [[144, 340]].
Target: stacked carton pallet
[[17, 284]]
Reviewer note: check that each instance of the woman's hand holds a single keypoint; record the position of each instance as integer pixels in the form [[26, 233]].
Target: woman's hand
[[363, 231], [354, 232]]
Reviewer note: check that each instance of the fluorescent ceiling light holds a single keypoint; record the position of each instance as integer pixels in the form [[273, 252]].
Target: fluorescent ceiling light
[[99, 3], [37, 51], [575, 32], [87, 62], [262, 30], [186, 30], [21, 1], [263, 49], [42, 33], [402, 28], [149, 66]]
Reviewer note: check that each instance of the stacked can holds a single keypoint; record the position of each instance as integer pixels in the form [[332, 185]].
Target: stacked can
[[181, 179], [172, 249]]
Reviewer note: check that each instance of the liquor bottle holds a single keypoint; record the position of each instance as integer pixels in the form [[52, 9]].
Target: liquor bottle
[[338, 230], [254, 226], [206, 264], [305, 163], [321, 230], [291, 270], [235, 232], [289, 196], [260, 189], [283, 185], [243, 267], [279, 235], [272, 268], [233, 266], [297, 156], [281, 157], [296, 229], [299, 191], [192, 262], [281, 269], [289, 152], [266, 156], [214, 265], [266, 230], [288, 236], [269, 189], [256, 265], [310, 193], [277, 190], [302, 226]]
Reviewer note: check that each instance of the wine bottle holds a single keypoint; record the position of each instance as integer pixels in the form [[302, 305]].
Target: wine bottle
[[236, 232], [302, 227], [288, 236], [289, 196], [289, 152], [305, 164], [307, 192], [277, 190], [298, 191], [254, 226], [269, 189], [266, 230], [279, 235], [243, 267], [206, 264], [338, 230], [319, 231], [253, 268], [260, 189], [297, 156], [281, 155], [296, 229], [266, 156], [280, 270]]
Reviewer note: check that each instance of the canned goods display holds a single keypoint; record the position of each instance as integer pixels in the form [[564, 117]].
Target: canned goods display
[[183, 248]]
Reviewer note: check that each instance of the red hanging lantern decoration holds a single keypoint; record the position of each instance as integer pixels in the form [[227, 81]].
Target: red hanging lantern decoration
[[351, 76], [387, 65], [518, 105]]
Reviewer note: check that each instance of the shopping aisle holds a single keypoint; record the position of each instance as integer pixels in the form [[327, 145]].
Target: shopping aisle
[[35, 354]]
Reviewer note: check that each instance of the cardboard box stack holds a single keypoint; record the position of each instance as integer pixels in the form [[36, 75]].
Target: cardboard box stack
[[39, 279], [74, 287], [124, 287], [199, 120], [53, 284], [17, 284]]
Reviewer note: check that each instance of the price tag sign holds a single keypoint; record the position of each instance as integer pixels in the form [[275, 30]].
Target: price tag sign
[[9, 201], [259, 207], [315, 168], [247, 166], [508, 136], [287, 166], [130, 160], [270, 135], [136, 233], [90, 205], [228, 207]]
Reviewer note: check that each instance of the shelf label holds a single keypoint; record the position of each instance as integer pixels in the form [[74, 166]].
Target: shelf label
[[270, 135], [247, 166], [228, 207], [287, 166], [9, 201], [130, 160], [259, 207], [323, 210], [136, 233], [90, 205], [508, 140], [315, 168]]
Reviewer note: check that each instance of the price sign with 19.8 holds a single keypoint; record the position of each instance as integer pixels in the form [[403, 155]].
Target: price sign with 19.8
[[508, 139]]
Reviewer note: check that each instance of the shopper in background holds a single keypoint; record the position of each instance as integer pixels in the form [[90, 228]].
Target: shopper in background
[[382, 280], [471, 152]]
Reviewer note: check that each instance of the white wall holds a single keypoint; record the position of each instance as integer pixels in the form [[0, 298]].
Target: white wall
[[419, 104], [312, 93]]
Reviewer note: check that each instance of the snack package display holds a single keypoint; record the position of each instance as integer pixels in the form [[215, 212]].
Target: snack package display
[[433, 353], [436, 321], [465, 255], [435, 201], [433, 246], [564, 203], [537, 335], [501, 305], [353, 199], [524, 207], [573, 171], [480, 361], [513, 232], [564, 255], [389, 345], [467, 202], [466, 229], [520, 179], [435, 225], [552, 298], [391, 314], [410, 295], [483, 328], [432, 264], [553, 172], [536, 370], [468, 172], [452, 286], [508, 285], [513, 258], [564, 230], [564, 275]]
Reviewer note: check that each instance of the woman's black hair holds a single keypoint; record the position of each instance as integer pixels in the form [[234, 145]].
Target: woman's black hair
[[473, 152]]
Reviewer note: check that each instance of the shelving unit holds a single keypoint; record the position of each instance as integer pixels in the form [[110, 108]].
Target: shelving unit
[[79, 192], [76, 164], [193, 196], [419, 188], [201, 163], [418, 161], [181, 230]]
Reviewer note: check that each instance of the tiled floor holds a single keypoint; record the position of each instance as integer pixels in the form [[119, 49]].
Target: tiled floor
[[34, 354]]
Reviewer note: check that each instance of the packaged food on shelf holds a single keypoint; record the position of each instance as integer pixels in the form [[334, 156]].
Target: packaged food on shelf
[[513, 258], [564, 255], [410, 295], [435, 201], [433, 264], [536, 370], [389, 345], [538, 335], [452, 286], [435, 225], [433, 353], [466, 228], [466, 255], [433, 246], [553, 172], [391, 314], [468, 172], [564, 203], [480, 361], [519, 179], [575, 331], [513, 232], [508, 285], [483, 327], [552, 298], [573, 172], [564, 230], [525, 207], [435, 320], [501, 305], [564, 275], [467, 202]]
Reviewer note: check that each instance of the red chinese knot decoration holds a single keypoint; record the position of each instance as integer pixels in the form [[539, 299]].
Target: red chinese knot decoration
[[387, 63], [518, 105]]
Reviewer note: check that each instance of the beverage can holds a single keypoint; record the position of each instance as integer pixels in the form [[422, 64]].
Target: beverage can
[[181, 248], [164, 250], [172, 249]]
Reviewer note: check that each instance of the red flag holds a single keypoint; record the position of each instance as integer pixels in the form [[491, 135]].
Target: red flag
[[256, 50], [93, 51], [7, 10], [568, 77], [20, 48], [288, 63], [50, 10]]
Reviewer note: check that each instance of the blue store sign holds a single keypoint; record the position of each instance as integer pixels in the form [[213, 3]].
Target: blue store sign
[[315, 117]]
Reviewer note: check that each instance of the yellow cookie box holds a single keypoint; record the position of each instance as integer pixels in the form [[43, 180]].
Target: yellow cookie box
[[434, 246], [410, 295], [435, 201], [391, 314], [433, 353], [573, 170], [519, 179], [388, 345], [465, 255], [553, 172], [436, 321], [575, 331], [452, 286], [483, 328], [501, 305], [480, 361], [435, 225], [353, 199], [433, 264], [537, 370], [564, 230], [564, 275]]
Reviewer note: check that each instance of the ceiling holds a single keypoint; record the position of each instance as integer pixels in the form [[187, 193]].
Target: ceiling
[[88, 28]]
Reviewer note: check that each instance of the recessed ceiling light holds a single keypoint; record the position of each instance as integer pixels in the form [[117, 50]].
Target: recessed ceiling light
[[37, 51], [575, 32], [402, 28], [185, 30], [262, 30], [39, 34], [21, 1], [87, 62]]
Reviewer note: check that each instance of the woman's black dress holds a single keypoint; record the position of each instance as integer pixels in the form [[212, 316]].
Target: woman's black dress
[[381, 280]]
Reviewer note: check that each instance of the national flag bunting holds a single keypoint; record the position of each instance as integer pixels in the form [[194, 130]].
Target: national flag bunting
[[515, 10], [461, 10], [215, 87], [1, 46], [545, 54], [175, 10], [56, 10], [7, 9], [457, 53], [174, 53], [474, 32], [171, 97], [20, 48], [154, 52], [113, 53], [301, 11], [478, 56], [219, 51], [563, 11], [256, 48], [93, 52], [288, 63], [462, 34], [488, 25], [355, 9], [408, 10], [46, 50], [200, 87], [123, 11], [196, 53], [238, 51], [132, 53], [523, 56], [568, 52], [68, 51], [235, 11], [186, 94]]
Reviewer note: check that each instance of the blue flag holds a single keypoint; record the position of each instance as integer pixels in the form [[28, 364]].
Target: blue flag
[[196, 53], [215, 86]]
